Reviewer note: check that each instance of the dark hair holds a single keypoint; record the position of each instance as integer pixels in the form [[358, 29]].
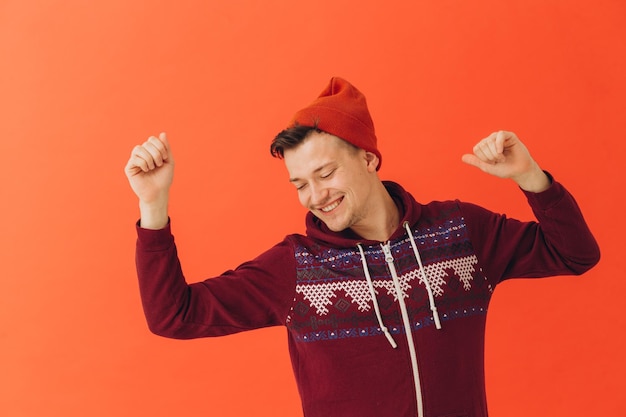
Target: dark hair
[[290, 138]]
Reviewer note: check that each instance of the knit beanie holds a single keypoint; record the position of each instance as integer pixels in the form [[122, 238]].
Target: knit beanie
[[341, 110]]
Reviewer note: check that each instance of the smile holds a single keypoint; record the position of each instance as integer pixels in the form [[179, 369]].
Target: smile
[[331, 206]]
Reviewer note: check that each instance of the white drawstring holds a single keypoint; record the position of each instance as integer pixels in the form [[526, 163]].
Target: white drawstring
[[374, 299], [431, 298]]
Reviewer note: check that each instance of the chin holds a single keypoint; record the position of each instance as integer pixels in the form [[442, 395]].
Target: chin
[[337, 227], [336, 223]]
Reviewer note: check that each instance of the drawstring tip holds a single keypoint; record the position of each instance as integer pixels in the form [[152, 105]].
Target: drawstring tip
[[389, 338], [437, 321], [391, 341]]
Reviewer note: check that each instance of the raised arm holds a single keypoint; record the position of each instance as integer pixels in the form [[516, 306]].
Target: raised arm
[[558, 243], [150, 171], [256, 294]]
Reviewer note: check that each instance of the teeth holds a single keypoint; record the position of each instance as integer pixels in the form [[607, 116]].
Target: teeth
[[332, 206]]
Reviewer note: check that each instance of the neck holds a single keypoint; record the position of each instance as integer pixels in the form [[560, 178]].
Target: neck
[[385, 218]]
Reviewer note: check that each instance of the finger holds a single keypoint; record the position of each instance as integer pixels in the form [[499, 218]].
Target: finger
[[166, 146], [136, 163], [494, 151], [161, 143], [163, 139], [135, 167], [500, 139], [493, 147], [472, 159], [156, 149], [484, 150], [142, 158]]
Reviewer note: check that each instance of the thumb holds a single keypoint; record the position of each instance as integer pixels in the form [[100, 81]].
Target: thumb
[[166, 143], [472, 160]]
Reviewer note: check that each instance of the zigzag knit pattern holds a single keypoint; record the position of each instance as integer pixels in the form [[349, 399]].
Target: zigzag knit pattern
[[321, 295], [333, 298]]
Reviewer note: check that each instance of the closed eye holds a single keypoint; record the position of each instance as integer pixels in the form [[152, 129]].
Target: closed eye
[[328, 174]]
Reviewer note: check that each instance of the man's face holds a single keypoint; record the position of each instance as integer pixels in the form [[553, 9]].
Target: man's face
[[333, 179]]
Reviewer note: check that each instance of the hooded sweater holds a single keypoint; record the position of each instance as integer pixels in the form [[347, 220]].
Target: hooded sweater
[[376, 329]]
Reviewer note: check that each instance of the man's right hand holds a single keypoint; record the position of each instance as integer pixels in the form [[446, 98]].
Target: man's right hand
[[150, 171]]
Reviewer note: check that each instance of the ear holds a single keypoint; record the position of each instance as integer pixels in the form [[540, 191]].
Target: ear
[[372, 161]]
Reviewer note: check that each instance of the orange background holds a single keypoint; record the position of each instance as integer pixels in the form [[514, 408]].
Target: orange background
[[82, 82]]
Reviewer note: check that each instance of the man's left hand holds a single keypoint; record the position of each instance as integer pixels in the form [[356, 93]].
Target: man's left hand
[[503, 155]]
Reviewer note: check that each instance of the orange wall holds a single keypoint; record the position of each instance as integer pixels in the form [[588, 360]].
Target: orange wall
[[82, 82]]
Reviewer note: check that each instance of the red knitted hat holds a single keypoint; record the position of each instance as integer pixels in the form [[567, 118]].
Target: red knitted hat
[[341, 110]]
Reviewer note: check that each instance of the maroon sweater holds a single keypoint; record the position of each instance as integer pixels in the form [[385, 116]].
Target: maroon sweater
[[336, 293]]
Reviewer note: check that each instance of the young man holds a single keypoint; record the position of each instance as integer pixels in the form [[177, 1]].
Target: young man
[[385, 299]]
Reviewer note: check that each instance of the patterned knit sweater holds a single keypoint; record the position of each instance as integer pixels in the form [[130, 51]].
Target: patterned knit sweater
[[376, 329]]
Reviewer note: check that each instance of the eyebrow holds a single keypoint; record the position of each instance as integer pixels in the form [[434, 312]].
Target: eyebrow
[[315, 171]]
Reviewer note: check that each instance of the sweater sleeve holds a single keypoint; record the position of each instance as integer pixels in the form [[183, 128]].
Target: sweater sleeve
[[256, 294], [559, 242]]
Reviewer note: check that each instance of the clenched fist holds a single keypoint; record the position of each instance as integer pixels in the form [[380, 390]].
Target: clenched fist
[[150, 171], [502, 154]]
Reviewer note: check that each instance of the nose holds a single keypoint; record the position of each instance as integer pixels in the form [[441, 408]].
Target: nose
[[319, 195]]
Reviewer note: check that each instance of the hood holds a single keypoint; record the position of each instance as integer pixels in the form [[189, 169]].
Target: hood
[[410, 211]]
